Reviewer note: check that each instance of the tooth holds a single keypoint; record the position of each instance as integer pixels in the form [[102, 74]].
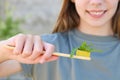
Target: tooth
[[96, 13]]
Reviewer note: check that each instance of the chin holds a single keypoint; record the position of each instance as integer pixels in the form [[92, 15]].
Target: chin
[[97, 24]]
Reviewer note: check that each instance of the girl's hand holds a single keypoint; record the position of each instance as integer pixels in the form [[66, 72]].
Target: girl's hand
[[30, 49], [4, 53]]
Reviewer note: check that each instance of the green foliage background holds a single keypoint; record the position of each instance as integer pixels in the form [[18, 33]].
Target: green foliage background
[[9, 26]]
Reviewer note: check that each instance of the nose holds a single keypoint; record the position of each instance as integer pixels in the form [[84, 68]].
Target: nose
[[96, 2]]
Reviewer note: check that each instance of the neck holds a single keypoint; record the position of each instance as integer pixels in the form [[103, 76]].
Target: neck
[[105, 30]]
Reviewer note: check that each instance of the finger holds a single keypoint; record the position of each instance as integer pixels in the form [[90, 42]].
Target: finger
[[38, 48], [24, 60], [10, 41], [52, 58], [49, 49], [19, 43], [28, 47]]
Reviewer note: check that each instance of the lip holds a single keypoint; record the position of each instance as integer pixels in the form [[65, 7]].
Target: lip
[[95, 10], [96, 13]]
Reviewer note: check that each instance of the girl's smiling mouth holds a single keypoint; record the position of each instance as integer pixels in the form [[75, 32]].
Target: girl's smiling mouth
[[96, 13]]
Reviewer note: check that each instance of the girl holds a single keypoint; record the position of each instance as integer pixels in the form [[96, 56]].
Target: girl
[[93, 21]]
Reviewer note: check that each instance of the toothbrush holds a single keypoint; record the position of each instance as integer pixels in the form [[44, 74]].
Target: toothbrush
[[57, 54]]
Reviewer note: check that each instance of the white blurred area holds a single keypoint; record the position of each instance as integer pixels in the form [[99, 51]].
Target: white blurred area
[[40, 17]]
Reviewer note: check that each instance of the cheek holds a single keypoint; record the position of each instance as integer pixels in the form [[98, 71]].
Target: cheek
[[79, 7], [114, 4], [114, 7]]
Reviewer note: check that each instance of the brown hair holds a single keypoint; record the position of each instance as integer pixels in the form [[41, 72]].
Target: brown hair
[[116, 21], [69, 19]]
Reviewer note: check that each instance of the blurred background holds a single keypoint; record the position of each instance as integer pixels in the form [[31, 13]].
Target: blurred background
[[29, 17]]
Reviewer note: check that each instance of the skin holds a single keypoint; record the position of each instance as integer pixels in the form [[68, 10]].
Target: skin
[[28, 51], [24, 52], [100, 26]]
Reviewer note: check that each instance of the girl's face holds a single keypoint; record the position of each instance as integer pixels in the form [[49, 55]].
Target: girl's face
[[96, 12]]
